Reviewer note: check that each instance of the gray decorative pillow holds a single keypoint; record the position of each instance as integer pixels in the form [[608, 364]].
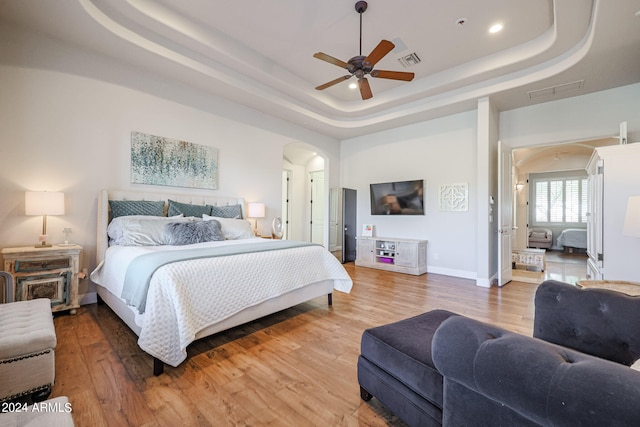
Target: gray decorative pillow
[[187, 233], [177, 208], [136, 207], [231, 211]]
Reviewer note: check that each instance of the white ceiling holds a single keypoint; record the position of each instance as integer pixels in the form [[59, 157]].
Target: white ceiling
[[260, 54]]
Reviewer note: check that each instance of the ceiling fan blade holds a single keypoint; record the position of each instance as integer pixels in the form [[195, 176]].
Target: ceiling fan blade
[[394, 75], [384, 47], [365, 89], [333, 82], [331, 60]]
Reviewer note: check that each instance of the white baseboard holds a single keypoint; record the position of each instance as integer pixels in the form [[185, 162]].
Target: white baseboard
[[483, 283], [451, 272]]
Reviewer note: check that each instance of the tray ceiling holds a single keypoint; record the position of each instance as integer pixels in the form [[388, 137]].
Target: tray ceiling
[[259, 53]]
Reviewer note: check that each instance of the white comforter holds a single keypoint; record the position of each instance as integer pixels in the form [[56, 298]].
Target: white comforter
[[187, 296]]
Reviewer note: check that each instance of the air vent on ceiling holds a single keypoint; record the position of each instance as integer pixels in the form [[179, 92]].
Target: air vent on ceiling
[[556, 90], [409, 60]]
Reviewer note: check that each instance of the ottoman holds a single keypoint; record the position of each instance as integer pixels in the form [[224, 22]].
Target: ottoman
[[27, 342], [395, 366]]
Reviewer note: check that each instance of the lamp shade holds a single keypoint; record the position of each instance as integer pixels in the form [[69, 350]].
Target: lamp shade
[[43, 203], [255, 210], [632, 217]]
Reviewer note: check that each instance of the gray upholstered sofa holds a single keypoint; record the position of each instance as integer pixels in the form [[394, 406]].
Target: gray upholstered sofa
[[443, 369]]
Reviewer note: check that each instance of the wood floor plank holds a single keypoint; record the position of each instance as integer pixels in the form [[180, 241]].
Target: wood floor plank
[[86, 409], [295, 367], [118, 394]]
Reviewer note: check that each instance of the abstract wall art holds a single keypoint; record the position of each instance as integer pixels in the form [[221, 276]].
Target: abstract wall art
[[163, 161]]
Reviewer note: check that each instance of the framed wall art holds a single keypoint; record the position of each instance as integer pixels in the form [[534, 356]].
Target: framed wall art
[[158, 160]]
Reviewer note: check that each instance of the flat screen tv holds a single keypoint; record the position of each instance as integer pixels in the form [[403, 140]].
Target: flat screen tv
[[397, 198]]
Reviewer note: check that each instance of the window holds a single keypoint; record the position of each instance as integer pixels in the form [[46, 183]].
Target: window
[[560, 201]]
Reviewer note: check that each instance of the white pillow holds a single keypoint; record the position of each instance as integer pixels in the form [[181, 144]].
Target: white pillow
[[140, 230], [233, 229]]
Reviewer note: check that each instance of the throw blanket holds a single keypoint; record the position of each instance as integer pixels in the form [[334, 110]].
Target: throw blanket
[[140, 270]]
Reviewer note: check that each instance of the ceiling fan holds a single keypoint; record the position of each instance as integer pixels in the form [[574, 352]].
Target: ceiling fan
[[360, 65]]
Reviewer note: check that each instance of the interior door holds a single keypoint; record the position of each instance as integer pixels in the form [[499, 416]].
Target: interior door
[[349, 215], [335, 222], [317, 207], [505, 213]]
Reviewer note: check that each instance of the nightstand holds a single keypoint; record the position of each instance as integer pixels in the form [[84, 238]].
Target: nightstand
[[50, 272]]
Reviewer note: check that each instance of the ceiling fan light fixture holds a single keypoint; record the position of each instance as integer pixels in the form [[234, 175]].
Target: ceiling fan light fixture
[[353, 85], [495, 28], [360, 66]]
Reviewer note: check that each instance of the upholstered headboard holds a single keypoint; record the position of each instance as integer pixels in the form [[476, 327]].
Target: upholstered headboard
[[195, 199]]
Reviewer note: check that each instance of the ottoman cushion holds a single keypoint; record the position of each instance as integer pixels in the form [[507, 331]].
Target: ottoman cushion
[[403, 350], [26, 327]]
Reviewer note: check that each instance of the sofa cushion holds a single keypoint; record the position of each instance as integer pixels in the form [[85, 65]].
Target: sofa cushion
[[600, 322], [403, 349]]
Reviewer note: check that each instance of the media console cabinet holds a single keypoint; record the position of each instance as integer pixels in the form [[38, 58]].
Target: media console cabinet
[[400, 255]]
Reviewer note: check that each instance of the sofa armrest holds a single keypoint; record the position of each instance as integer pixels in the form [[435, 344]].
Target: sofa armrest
[[543, 382], [599, 322]]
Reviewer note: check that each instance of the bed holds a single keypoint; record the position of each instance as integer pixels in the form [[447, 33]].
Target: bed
[[573, 238], [203, 287]]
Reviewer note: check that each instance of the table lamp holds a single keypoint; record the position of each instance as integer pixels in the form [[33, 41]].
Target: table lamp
[[43, 203], [256, 210]]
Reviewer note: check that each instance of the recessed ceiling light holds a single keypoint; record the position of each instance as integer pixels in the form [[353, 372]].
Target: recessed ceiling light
[[495, 28], [353, 85]]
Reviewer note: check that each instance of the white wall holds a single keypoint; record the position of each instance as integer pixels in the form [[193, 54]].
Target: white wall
[[441, 152], [579, 118], [68, 132]]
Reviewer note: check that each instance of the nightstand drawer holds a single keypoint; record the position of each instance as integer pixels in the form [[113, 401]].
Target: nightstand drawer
[[52, 286], [30, 265]]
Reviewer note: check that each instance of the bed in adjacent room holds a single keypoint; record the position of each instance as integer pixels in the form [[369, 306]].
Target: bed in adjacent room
[[177, 278], [573, 238]]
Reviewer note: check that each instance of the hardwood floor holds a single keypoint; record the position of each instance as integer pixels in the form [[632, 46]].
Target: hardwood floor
[[293, 368]]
